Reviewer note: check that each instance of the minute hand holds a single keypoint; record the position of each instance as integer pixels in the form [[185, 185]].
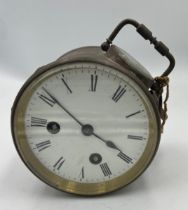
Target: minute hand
[[57, 101]]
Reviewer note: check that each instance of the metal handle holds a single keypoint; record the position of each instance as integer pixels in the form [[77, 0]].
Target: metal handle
[[146, 34]]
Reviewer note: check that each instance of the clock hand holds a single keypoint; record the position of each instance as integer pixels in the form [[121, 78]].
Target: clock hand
[[88, 131], [56, 100], [86, 128], [107, 142]]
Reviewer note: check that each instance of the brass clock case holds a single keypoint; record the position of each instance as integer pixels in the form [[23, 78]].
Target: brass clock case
[[118, 61]]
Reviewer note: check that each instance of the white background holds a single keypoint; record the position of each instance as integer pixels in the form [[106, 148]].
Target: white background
[[34, 33]]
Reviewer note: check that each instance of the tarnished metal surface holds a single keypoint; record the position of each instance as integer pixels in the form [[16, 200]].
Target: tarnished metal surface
[[114, 56]]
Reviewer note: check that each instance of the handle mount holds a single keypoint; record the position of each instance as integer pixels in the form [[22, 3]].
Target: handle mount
[[147, 35]]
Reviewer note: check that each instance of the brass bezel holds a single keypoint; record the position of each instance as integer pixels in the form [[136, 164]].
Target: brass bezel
[[60, 183]]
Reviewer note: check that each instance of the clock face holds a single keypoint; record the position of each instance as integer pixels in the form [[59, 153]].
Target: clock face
[[87, 123]]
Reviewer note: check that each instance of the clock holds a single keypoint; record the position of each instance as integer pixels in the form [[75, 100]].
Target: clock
[[90, 122]]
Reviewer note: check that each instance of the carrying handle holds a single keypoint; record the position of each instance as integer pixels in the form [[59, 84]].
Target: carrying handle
[[159, 82], [147, 35]]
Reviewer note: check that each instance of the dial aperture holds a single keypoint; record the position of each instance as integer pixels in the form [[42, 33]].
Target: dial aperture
[[95, 158], [53, 127]]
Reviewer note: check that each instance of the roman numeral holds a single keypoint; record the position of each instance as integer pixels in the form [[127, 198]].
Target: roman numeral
[[118, 93], [94, 79], [65, 83], [58, 164], [135, 137], [43, 145], [82, 174], [39, 122], [135, 113], [105, 169], [124, 157], [47, 100]]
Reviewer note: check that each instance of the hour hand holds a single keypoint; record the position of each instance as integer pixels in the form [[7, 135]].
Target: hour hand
[[112, 145], [107, 142]]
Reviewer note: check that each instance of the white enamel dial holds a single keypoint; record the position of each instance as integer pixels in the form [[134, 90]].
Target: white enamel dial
[[102, 98]]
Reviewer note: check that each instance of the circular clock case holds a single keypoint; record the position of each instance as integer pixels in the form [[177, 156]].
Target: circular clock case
[[87, 123]]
